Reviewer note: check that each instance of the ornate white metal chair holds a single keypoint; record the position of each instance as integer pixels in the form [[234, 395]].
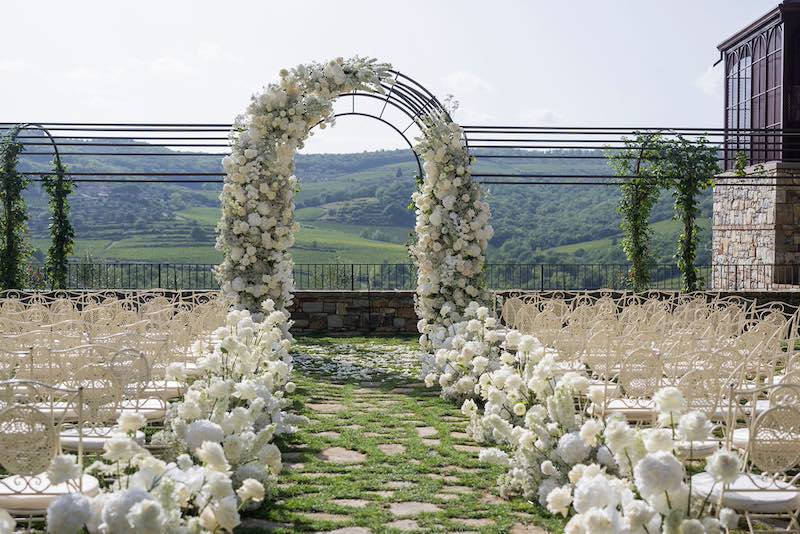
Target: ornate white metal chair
[[768, 487], [31, 417]]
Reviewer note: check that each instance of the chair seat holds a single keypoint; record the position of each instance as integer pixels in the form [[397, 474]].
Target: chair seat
[[741, 438], [632, 409], [762, 405], [191, 369], [750, 493], [152, 408], [610, 389], [93, 438], [66, 411], [33, 494], [696, 450], [164, 389]]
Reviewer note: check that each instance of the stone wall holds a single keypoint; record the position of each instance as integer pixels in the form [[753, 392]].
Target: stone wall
[[392, 312], [354, 312], [756, 229]]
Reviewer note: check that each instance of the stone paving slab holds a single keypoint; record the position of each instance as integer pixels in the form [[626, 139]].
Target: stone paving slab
[[339, 455], [412, 508]]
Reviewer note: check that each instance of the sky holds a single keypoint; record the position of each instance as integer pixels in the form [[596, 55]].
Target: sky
[[632, 63]]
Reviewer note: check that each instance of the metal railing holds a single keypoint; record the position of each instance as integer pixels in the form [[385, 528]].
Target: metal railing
[[403, 276]]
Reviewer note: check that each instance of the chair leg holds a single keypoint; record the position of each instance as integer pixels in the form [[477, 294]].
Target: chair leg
[[749, 522], [793, 523]]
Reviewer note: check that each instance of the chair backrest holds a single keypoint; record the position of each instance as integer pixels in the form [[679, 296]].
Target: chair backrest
[[702, 389], [774, 445], [32, 415], [509, 311], [641, 374]]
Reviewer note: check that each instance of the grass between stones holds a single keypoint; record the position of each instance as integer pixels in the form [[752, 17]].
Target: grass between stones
[[382, 453]]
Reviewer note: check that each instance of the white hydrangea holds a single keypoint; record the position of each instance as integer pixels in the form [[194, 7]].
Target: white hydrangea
[[68, 514], [658, 473]]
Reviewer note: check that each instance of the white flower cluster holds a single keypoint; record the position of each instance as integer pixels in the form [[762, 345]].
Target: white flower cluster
[[452, 231], [258, 225], [607, 475], [651, 491], [236, 404], [466, 350], [221, 433], [148, 495]]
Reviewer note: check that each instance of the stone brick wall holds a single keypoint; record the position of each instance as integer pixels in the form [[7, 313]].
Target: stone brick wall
[[354, 312], [756, 228]]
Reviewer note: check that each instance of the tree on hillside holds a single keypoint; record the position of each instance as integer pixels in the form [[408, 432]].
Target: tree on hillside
[[198, 234]]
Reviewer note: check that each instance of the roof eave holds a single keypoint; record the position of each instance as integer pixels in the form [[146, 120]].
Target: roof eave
[[754, 26]]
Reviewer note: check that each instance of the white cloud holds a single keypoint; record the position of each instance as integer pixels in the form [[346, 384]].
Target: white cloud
[[212, 52], [462, 82], [710, 82], [169, 64], [12, 65], [541, 117], [87, 74], [468, 116]]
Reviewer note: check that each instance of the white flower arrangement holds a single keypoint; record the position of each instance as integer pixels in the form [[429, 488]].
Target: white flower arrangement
[[231, 411], [607, 476], [258, 227], [148, 495], [220, 434], [452, 230]]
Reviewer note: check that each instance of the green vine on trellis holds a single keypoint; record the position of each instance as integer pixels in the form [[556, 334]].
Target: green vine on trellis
[[14, 250], [61, 232], [640, 164], [689, 170], [648, 164]]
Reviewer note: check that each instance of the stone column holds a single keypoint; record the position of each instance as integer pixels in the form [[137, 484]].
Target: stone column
[[756, 229]]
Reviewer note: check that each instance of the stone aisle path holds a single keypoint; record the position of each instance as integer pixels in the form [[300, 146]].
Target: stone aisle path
[[382, 455]]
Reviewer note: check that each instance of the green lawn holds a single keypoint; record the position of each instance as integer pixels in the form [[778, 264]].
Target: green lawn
[[207, 216], [317, 242], [660, 229]]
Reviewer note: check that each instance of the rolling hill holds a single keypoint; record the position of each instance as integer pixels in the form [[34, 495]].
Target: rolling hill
[[352, 208]]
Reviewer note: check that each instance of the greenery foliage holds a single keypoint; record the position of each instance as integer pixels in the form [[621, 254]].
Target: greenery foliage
[[640, 163], [14, 250], [689, 168], [61, 232]]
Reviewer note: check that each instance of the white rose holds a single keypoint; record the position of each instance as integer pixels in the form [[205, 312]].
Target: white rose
[[251, 490], [658, 473], [131, 421], [559, 499]]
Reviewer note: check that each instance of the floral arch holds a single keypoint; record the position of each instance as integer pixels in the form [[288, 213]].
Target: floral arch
[[258, 226]]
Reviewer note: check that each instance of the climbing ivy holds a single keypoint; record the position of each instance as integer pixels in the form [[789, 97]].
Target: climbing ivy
[[14, 250], [689, 169], [61, 232], [640, 164]]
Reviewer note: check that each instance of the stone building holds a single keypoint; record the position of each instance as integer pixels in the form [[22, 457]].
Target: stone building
[[756, 223]]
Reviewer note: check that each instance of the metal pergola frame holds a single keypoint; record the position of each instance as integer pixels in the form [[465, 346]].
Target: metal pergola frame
[[414, 102]]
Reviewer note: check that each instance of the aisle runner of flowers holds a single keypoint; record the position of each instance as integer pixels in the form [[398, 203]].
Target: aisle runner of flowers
[[607, 476], [219, 437]]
